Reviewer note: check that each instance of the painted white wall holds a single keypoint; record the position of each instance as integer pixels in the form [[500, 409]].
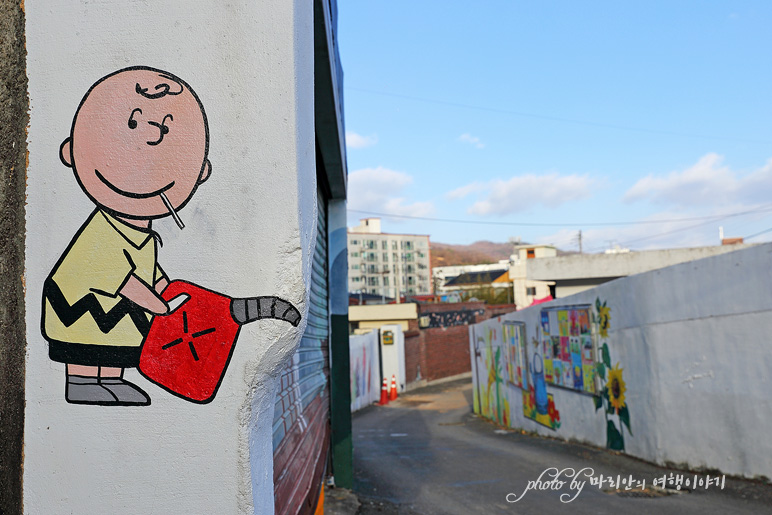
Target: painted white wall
[[693, 340], [393, 356], [249, 232], [618, 264]]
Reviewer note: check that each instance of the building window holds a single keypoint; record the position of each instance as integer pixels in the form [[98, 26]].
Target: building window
[[385, 281], [354, 254], [355, 279], [355, 242], [355, 267], [386, 256], [384, 245], [530, 290], [530, 253]]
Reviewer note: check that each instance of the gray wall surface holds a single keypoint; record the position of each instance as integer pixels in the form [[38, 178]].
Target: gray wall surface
[[691, 342], [13, 150], [582, 266]]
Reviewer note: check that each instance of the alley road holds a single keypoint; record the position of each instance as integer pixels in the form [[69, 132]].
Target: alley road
[[427, 454]]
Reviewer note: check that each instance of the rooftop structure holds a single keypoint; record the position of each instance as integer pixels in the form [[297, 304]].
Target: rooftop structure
[[579, 272], [442, 275]]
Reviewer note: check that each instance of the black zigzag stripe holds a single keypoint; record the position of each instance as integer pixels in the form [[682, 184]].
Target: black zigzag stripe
[[89, 304]]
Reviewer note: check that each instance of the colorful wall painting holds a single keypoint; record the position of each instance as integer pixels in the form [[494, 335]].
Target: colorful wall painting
[[550, 419], [490, 396], [612, 396], [514, 342], [567, 346], [364, 370], [538, 405], [138, 147], [448, 318]]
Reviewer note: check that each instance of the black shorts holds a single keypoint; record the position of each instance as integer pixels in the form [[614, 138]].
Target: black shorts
[[94, 355]]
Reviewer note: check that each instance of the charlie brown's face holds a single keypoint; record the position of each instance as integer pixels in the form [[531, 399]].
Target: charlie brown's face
[[139, 135]]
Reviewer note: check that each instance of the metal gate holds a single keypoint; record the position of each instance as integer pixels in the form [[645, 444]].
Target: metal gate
[[301, 429]]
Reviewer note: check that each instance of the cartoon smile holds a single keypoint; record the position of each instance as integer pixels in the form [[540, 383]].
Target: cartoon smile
[[131, 194]]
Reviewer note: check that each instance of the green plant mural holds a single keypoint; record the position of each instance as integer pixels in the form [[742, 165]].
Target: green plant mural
[[612, 396], [493, 403]]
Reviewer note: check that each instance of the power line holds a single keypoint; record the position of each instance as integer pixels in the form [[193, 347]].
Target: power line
[[711, 218], [659, 235], [758, 234], [555, 118]]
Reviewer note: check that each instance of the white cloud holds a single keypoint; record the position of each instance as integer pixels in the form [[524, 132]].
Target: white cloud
[[472, 140], [665, 231], [354, 140], [382, 190], [464, 191], [707, 183], [520, 193]]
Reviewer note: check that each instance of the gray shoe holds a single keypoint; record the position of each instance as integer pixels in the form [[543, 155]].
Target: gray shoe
[[87, 390], [126, 393]]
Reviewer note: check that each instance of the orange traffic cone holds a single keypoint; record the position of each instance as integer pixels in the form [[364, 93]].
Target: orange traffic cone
[[384, 392], [393, 393]]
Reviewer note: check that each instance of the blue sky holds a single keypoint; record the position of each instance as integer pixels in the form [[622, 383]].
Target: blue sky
[[567, 114]]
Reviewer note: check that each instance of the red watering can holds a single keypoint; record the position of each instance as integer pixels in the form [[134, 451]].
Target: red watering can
[[187, 351]]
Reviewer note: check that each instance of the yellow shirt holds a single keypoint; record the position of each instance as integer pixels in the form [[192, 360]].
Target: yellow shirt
[[81, 301]]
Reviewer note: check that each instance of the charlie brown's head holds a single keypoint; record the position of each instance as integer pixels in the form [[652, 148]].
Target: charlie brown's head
[[139, 135]]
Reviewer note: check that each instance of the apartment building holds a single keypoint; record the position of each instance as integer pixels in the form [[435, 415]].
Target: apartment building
[[387, 264]]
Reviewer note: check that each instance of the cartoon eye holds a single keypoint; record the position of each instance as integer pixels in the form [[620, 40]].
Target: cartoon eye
[[164, 128], [132, 121]]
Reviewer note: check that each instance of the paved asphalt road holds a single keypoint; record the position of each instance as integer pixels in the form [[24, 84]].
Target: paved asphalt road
[[427, 454]]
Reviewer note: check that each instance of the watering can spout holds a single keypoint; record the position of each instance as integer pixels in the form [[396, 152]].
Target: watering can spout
[[257, 308]]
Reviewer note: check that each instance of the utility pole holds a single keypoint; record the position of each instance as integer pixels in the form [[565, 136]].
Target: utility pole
[[580, 241]]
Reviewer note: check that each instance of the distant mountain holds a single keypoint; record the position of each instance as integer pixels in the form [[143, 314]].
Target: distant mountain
[[477, 253]]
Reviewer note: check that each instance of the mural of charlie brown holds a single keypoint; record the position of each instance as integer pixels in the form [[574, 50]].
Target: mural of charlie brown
[[138, 148]]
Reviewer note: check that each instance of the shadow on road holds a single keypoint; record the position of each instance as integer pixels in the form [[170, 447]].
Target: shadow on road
[[427, 454]]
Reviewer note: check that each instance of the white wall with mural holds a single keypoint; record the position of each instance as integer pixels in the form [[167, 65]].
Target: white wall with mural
[[670, 366], [170, 143], [365, 368]]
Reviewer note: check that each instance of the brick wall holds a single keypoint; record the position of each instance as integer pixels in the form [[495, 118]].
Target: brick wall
[[447, 351], [443, 351], [415, 356]]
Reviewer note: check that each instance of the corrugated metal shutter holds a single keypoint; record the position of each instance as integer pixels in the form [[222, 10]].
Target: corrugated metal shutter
[[301, 416]]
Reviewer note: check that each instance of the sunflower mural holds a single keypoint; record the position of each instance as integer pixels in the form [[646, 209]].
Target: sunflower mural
[[612, 396]]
